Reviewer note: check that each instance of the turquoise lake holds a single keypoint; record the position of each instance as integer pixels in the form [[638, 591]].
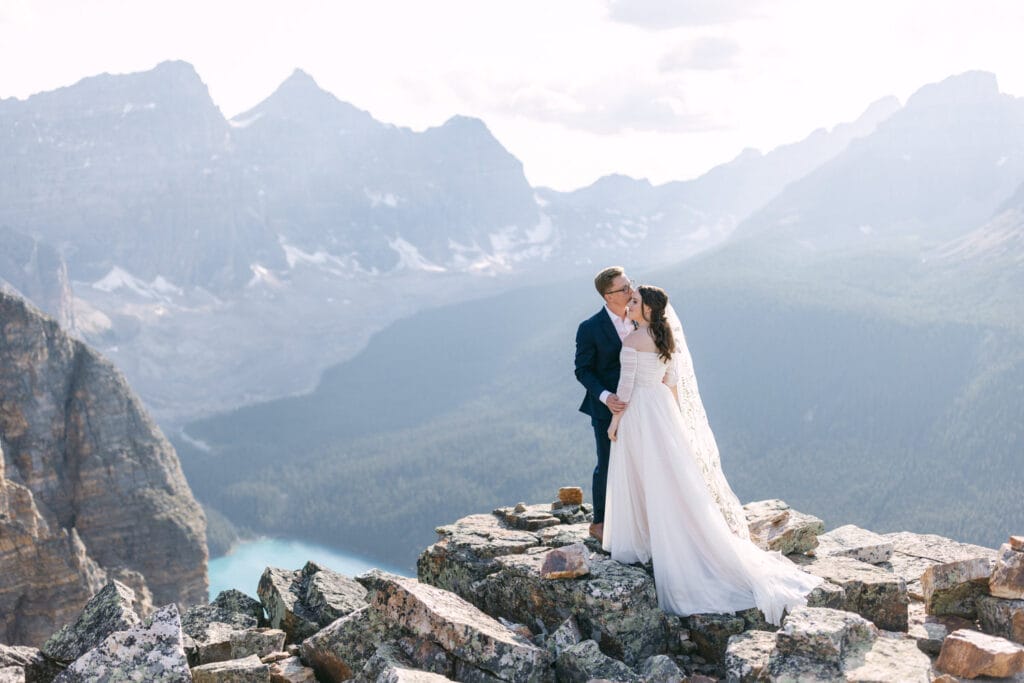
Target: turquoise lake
[[242, 568]]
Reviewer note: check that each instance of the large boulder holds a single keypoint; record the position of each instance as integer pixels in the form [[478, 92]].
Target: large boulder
[[151, 652], [914, 553], [856, 543], [339, 651], [1007, 580], [109, 611], [872, 592], [774, 525], [468, 634], [1001, 617], [747, 656], [302, 602], [971, 654], [498, 568], [952, 588]]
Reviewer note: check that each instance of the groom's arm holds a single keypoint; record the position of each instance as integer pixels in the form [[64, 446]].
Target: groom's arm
[[586, 361]]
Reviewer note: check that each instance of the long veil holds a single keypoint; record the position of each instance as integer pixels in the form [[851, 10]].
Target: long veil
[[695, 421]]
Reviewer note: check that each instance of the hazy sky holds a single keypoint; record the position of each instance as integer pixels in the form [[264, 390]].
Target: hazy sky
[[576, 89]]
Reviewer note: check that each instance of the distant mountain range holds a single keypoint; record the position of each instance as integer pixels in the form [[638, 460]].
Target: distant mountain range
[[195, 244], [859, 340]]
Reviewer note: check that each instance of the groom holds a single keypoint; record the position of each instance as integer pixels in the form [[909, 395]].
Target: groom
[[598, 342]]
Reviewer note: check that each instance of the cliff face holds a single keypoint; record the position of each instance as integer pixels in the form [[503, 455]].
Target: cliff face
[[90, 489]]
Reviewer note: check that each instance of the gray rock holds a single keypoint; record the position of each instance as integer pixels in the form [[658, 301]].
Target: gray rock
[[341, 649], [661, 669], [291, 670], [711, 633], [302, 602], [869, 591], [1001, 617], [951, 588], [914, 553], [247, 670], [820, 639], [391, 663], [35, 667], [235, 601], [568, 562], [467, 633], [585, 662], [220, 642], [12, 674], [747, 656], [1007, 580], [776, 526], [564, 534], [497, 568], [400, 675], [529, 517], [151, 652], [109, 611], [565, 636], [854, 542]]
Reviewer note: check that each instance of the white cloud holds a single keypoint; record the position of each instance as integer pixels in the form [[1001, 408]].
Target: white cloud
[[703, 54], [669, 14]]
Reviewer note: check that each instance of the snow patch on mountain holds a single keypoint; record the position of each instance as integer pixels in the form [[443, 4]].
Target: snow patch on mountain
[[409, 257], [119, 278]]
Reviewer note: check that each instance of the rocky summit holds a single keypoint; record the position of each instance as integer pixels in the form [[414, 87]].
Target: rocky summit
[[486, 607], [90, 490]]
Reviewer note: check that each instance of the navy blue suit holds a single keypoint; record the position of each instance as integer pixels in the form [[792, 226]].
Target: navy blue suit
[[597, 369]]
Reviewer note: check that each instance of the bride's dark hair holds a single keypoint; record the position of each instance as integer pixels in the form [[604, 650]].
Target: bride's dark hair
[[656, 299]]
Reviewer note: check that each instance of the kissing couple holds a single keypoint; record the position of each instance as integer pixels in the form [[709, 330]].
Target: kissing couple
[[659, 491]]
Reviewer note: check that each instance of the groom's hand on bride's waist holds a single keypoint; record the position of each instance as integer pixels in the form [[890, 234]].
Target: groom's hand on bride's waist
[[615, 405]]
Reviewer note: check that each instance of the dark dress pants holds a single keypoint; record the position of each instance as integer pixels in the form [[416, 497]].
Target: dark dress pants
[[600, 483]]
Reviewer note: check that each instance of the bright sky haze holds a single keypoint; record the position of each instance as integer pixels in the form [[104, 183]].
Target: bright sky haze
[[576, 89]]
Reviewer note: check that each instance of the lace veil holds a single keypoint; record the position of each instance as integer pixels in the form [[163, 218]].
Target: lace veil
[[695, 421]]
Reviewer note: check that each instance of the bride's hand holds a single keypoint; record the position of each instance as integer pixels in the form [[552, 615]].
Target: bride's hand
[[612, 431]]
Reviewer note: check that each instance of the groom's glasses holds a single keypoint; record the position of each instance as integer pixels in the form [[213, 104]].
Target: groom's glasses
[[627, 288]]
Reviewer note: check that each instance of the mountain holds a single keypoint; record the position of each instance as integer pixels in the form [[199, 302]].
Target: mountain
[[195, 244], [934, 170], [90, 489]]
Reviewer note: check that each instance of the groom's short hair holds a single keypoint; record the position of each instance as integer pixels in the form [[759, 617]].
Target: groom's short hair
[[606, 277]]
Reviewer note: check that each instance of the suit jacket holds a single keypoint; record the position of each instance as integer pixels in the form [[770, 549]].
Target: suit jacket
[[597, 363]]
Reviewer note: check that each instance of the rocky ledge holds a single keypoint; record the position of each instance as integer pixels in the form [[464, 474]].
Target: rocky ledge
[[524, 595]]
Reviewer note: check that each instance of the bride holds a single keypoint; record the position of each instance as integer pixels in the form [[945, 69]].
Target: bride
[[667, 500]]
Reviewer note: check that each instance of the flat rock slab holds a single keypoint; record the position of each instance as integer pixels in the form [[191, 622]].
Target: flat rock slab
[[223, 642], [872, 592], [856, 543], [823, 635], [1007, 580], [459, 627], [12, 674], [889, 659], [1001, 617], [247, 670], [151, 652], [776, 526], [528, 517], [109, 611], [31, 661], [747, 656], [914, 553], [971, 654], [929, 631], [951, 588]]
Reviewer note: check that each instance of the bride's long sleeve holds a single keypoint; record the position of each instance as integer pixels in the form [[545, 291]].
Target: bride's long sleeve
[[627, 373]]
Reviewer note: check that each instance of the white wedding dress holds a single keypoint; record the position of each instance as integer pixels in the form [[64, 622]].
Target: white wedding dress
[[659, 508]]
